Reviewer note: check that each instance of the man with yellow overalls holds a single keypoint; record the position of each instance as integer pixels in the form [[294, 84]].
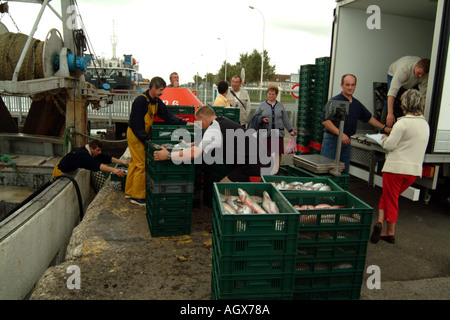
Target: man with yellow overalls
[[144, 109]]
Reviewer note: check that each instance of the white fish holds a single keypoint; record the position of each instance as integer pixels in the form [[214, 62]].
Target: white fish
[[325, 188], [268, 204], [227, 208], [246, 199], [244, 209], [317, 186], [232, 204]]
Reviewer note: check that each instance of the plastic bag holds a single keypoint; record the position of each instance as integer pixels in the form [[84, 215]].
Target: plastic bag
[[291, 147]]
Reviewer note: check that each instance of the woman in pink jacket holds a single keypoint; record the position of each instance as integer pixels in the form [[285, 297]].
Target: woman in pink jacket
[[406, 144]]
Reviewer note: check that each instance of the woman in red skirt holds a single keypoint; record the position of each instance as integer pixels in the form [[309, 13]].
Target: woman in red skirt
[[406, 144]]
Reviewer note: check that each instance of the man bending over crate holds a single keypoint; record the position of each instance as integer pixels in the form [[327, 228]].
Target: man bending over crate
[[225, 142]]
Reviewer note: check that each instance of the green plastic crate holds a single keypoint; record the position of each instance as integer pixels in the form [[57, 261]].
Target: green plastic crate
[[230, 264], [252, 286], [169, 187], [330, 234], [331, 250], [167, 166], [123, 180], [330, 265], [218, 294], [353, 212], [304, 283], [169, 220], [343, 293], [283, 223], [181, 109], [170, 176], [327, 181], [165, 132], [168, 210], [169, 199], [242, 246], [157, 230], [218, 110], [231, 112]]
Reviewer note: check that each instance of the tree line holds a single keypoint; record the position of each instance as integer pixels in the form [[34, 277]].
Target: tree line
[[252, 65]]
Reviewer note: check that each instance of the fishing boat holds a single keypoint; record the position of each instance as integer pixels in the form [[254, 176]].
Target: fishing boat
[[38, 212], [117, 74]]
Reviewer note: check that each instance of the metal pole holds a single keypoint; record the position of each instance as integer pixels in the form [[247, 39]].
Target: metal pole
[[262, 54], [336, 171], [28, 43]]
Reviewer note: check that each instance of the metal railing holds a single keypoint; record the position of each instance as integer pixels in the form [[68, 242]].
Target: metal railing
[[121, 107]]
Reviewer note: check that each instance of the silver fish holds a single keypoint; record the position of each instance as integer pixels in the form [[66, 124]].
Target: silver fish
[[268, 204], [244, 209], [325, 188], [316, 186], [232, 204], [227, 208]]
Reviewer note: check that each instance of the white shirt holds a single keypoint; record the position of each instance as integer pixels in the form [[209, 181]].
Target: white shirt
[[212, 138]]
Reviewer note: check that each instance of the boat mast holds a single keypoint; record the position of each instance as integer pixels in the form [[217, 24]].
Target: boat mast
[[114, 43]]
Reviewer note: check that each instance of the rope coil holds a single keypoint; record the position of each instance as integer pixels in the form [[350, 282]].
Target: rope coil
[[11, 46]]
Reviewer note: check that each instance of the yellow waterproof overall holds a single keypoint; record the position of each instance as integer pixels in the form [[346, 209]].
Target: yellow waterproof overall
[[135, 185]]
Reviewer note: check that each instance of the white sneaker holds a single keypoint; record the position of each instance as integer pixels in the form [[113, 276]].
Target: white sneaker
[[127, 196], [139, 202]]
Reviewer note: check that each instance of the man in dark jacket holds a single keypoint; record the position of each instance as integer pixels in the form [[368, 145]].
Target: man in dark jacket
[[89, 157]]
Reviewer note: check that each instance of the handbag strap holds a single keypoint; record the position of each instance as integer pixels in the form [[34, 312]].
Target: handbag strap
[[234, 94]]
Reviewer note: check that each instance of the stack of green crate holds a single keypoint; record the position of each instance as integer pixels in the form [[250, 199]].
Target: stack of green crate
[[305, 104], [322, 74], [169, 192], [332, 245], [253, 255]]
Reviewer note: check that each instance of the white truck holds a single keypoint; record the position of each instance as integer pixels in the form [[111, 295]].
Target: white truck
[[368, 35]]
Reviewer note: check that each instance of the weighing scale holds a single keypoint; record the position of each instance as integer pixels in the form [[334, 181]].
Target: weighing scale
[[316, 163]]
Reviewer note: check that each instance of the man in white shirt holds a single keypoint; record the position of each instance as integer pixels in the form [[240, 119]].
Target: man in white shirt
[[407, 72], [239, 98], [225, 142]]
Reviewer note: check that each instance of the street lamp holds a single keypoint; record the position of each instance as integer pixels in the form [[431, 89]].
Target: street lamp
[[226, 54], [262, 54]]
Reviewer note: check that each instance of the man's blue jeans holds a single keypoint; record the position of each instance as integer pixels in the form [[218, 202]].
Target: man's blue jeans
[[328, 149]]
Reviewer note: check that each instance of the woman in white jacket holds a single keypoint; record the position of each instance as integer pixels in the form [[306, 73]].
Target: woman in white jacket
[[406, 144]]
